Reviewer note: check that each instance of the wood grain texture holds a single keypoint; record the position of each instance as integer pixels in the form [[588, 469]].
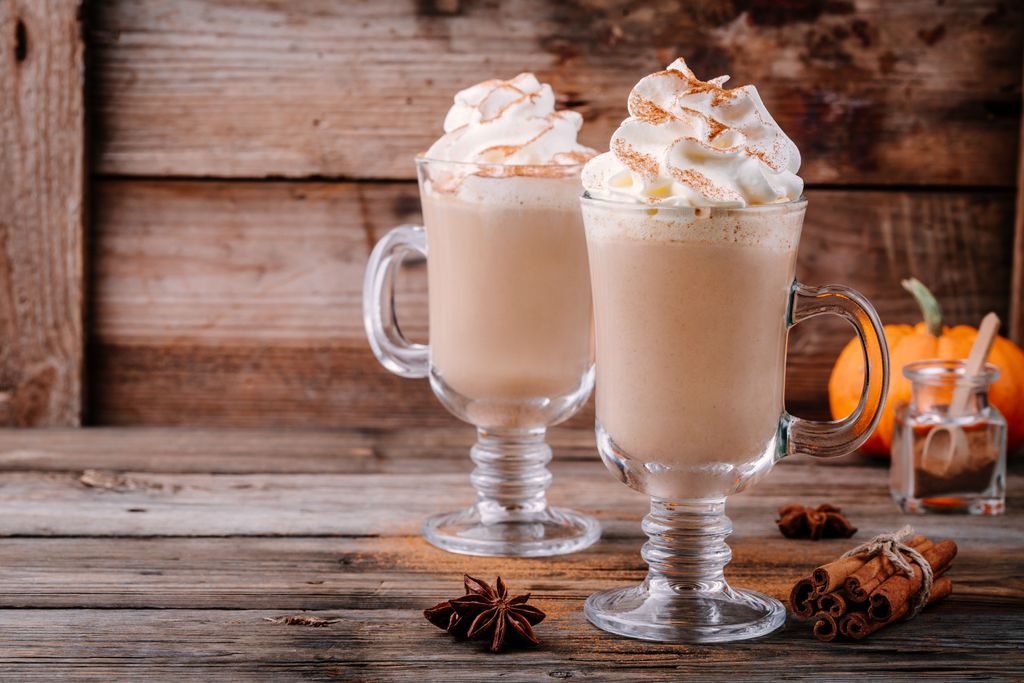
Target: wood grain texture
[[872, 92], [134, 503], [301, 573], [255, 451], [103, 593], [379, 645], [239, 304], [41, 212]]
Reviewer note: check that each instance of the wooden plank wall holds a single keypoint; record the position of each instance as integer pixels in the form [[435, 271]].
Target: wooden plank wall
[[42, 175], [249, 154]]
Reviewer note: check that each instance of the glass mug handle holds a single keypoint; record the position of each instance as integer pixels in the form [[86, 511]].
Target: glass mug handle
[[839, 437], [393, 350]]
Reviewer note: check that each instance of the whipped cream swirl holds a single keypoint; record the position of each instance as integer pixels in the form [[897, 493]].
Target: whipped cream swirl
[[510, 122], [689, 142]]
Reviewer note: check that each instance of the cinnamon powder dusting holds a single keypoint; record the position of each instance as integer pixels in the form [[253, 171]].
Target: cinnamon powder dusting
[[715, 127], [638, 162], [646, 110], [500, 150], [765, 158], [701, 184], [719, 95], [769, 158], [506, 151], [500, 85], [572, 157]]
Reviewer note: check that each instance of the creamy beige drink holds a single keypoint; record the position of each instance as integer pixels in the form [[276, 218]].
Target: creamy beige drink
[[509, 288], [692, 228], [691, 331]]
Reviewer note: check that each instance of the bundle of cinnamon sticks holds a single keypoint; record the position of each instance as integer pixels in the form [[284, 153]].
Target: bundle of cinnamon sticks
[[856, 596]]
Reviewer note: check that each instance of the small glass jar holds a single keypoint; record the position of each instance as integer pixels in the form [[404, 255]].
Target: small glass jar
[[943, 462]]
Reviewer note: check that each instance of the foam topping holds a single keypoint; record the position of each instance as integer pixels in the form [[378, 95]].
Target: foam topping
[[510, 122], [689, 142]]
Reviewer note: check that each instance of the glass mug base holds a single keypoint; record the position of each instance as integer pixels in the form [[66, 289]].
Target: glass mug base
[[551, 531], [685, 615]]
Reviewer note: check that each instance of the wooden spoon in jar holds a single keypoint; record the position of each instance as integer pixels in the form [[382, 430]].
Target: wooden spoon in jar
[[947, 443]]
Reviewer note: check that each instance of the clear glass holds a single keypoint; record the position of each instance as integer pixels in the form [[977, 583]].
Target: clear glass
[[511, 348], [943, 462], [692, 308]]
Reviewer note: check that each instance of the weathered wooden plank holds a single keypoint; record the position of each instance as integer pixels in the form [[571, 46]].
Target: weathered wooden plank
[[67, 500], [143, 504], [237, 451], [872, 92], [41, 212], [227, 261], [244, 261], [255, 385], [398, 572], [240, 303], [397, 645]]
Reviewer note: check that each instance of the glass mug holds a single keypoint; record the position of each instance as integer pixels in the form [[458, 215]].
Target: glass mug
[[692, 309], [510, 348]]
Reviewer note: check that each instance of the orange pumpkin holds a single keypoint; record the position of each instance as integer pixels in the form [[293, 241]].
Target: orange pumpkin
[[928, 339]]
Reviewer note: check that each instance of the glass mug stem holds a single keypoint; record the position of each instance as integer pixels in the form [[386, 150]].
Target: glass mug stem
[[686, 548], [511, 515], [511, 475], [685, 596]]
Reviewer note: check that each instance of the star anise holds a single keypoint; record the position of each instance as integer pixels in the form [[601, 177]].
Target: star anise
[[824, 521], [486, 612]]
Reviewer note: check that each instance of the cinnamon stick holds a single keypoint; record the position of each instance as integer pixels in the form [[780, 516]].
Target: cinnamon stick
[[802, 598], [825, 628], [858, 625], [897, 591], [834, 604], [831, 576], [876, 570]]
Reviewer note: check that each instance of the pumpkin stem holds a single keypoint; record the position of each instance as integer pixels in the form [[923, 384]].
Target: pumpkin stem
[[930, 309]]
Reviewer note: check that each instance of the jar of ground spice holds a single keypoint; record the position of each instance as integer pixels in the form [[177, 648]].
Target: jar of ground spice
[[949, 442]]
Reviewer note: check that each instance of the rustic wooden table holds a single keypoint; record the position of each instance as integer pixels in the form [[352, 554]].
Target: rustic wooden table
[[152, 554]]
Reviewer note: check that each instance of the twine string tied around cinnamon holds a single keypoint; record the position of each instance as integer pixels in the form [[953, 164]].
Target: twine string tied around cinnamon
[[892, 547]]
